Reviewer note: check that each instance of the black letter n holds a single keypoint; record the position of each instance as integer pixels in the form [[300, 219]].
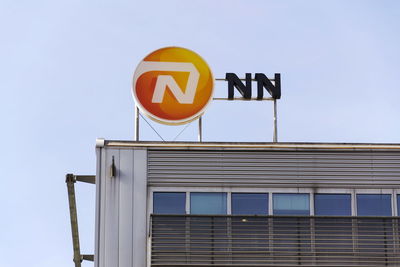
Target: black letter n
[[273, 90], [235, 82]]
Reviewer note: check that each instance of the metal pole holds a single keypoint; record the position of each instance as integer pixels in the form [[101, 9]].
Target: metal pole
[[70, 180], [136, 124], [200, 131], [275, 138]]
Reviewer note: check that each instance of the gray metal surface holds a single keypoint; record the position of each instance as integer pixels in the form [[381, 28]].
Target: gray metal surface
[[272, 168]]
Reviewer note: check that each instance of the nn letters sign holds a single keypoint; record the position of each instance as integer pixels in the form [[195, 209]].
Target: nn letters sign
[[245, 89], [174, 85]]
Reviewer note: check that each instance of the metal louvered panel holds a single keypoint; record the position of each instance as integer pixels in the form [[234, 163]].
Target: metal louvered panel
[[372, 169], [190, 240]]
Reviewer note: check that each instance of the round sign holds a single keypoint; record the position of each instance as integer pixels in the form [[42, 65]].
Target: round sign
[[173, 85]]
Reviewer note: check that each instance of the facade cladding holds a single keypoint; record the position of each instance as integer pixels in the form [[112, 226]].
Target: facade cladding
[[247, 204]]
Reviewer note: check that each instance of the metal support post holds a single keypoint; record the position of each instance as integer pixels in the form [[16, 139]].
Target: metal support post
[[275, 138], [136, 124], [200, 130], [70, 180]]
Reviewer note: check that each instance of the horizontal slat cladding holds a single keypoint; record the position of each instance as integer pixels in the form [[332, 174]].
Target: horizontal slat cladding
[[363, 169], [189, 240]]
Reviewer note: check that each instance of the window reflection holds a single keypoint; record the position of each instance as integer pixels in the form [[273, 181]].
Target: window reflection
[[169, 203], [291, 204], [249, 203], [332, 204], [374, 205], [208, 203]]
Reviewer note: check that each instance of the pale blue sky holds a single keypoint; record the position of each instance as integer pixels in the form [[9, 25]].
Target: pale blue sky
[[66, 68]]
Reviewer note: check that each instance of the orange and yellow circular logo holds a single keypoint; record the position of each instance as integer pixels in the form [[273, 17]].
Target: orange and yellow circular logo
[[173, 85]]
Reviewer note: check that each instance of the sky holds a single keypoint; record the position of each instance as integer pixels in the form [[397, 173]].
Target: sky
[[65, 78]]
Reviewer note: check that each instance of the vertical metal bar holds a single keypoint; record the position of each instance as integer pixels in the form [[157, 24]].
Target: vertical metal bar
[[385, 241], [212, 241], [355, 238], [354, 225], [312, 204], [275, 138], [394, 203], [187, 228], [270, 228], [298, 241], [396, 234], [229, 203], [150, 241], [271, 238], [395, 229], [70, 180], [229, 228], [187, 240], [313, 239], [137, 124], [200, 130], [187, 204]]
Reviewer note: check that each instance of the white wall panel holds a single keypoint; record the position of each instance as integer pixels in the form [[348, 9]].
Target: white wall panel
[[126, 208], [139, 208], [122, 217], [111, 219]]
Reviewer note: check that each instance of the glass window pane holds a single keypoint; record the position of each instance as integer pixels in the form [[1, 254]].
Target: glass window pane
[[291, 204], [332, 204], [208, 203], [374, 205], [398, 205], [169, 203], [249, 203]]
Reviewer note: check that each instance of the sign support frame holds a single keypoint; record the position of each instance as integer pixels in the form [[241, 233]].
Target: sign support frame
[[136, 137], [200, 130], [275, 136], [200, 123]]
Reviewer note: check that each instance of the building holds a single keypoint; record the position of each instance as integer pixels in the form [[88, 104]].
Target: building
[[247, 204]]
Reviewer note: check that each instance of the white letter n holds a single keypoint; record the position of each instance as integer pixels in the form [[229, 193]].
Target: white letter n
[[183, 96], [163, 81]]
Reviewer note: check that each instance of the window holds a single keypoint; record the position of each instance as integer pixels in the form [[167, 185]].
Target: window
[[374, 205], [208, 203], [169, 203], [291, 204], [249, 204], [332, 204]]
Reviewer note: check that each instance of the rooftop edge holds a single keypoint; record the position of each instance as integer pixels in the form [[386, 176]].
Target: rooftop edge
[[243, 145]]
